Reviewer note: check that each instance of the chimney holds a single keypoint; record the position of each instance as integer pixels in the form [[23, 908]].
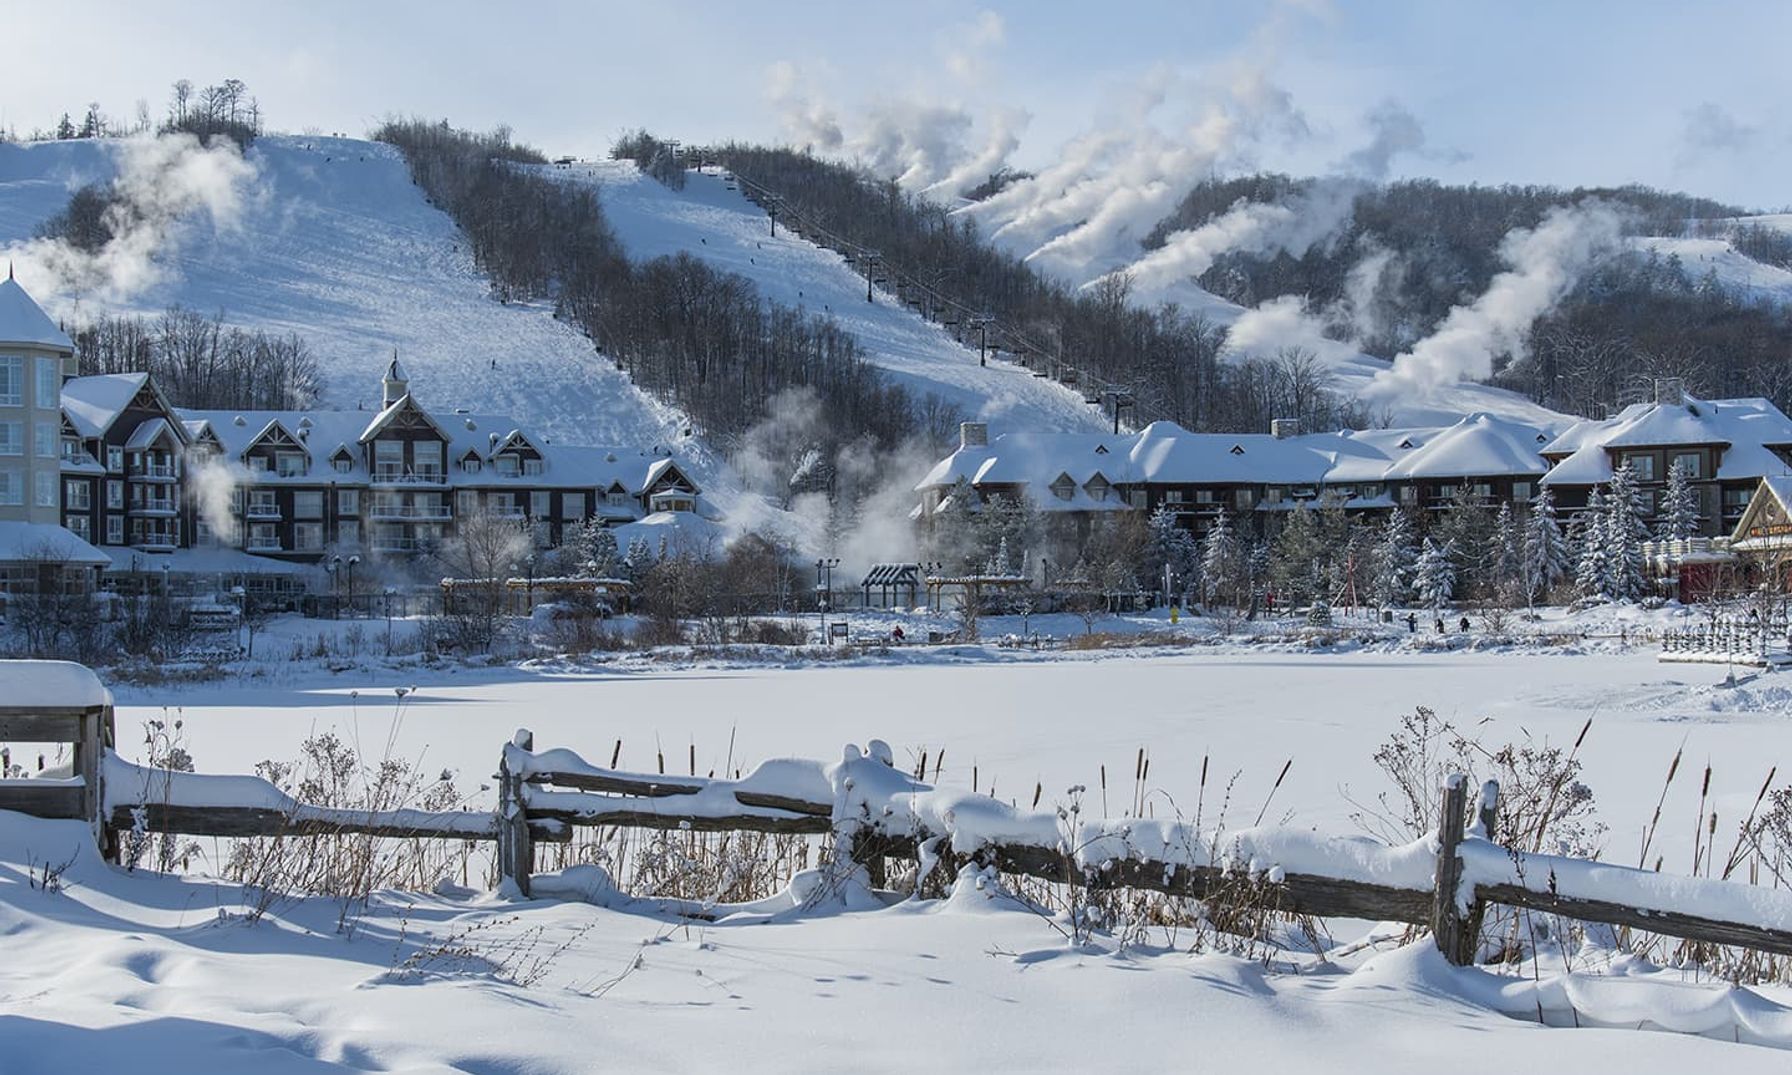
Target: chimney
[[1670, 391], [1283, 428], [973, 434]]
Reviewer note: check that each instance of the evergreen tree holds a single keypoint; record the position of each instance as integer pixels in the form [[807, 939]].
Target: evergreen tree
[[1395, 557], [1679, 518], [1298, 566], [638, 561], [1545, 549], [1625, 533], [1506, 559], [1466, 529], [1592, 575], [1221, 559], [1169, 544], [1436, 576]]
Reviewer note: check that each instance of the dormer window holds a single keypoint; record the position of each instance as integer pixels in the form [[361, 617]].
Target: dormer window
[[532, 466], [290, 464], [1064, 488], [472, 464], [1238, 449], [506, 465], [1097, 488], [342, 464]]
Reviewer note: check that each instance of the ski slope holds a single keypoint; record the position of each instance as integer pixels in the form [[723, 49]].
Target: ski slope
[[720, 226], [1738, 273], [335, 243]]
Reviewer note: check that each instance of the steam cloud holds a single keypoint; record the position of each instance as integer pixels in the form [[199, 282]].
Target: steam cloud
[[1546, 262], [210, 484], [163, 182]]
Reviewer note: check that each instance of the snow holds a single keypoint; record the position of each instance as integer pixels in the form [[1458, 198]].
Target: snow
[[22, 541], [23, 321], [722, 228], [1748, 429], [51, 685], [1738, 273]]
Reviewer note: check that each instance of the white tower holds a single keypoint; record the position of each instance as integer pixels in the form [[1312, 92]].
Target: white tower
[[35, 358]]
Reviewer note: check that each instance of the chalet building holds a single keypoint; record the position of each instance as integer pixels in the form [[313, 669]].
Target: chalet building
[[272, 493], [1197, 476], [36, 357], [1726, 445]]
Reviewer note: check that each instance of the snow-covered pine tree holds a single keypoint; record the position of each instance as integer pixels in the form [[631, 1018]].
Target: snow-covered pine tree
[[1545, 549], [1221, 565], [1169, 544], [1436, 576], [1506, 560], [1592, 576], [1298, 567], [1395, 555], [638, 560], [1679, 517], [1625, 533]]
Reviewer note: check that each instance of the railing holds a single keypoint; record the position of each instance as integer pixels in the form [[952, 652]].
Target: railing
[[409, 475], [144, 507], [256, 545], [398, 544], [262, 511], [410, 511], [505, 511], [154, 470]]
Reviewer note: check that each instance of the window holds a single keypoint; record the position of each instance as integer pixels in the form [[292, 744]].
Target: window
[[264, 536], [80, 526], [466, 502], [348, 501], [48, 440], [1521, 491], [49, 383], [616, 498], [1064, 488], [1272, 495], [342, 463], [77, 495], [572, 506], [540, 504], [544, 536], [261, 502], [290, 464], [12, 487], [1243, 499], [46, 489], [348, 532], [308, 504], [12, 381], [12, 438], [506, 465], [307, 537], [1688, 462], [532, 466], [426, 457], [114, 459], [258, 464], [1409, 494], [115, 530], [1097, 488], [114, 493], [1644, 465], [471, 464]]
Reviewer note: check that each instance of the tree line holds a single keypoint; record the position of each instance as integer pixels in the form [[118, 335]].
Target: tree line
[[701, 339], [201, 362]]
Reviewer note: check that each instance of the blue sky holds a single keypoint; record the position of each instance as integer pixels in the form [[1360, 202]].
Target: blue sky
[[1675, 95]]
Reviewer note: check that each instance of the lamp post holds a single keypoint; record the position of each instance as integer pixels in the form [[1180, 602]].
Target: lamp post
[[824, 570], [388, 599], [332, 568], [353, 562]]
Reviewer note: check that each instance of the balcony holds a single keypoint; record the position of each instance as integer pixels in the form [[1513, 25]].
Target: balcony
[[265, 510], [505, 511], [392, 475], [155, 542], [434, 512], [399, 544], [155, 472], [263, 545], [155, 506]]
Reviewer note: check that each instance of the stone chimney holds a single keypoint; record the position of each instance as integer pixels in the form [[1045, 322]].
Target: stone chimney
[[1283, 428], [973, 434], [1670, 391]]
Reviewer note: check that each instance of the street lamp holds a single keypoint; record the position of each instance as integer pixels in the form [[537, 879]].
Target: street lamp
[[332, 568], [353, 562], [388, 599], [528, 566], [824, 569]]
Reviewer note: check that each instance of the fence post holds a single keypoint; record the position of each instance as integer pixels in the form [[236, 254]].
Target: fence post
[[516, 851], [1449, 925]]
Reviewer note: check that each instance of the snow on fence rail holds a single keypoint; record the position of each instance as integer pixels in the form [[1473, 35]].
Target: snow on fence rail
[[873, 812]]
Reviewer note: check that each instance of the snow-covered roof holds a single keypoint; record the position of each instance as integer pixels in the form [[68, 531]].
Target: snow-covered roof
[[51, 685], [203, 560], [23, 321], [1745, 429], [1164, 453], [94, 403], [22, 541]]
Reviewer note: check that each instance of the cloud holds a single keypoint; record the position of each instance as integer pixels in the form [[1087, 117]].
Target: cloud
[[1708, 128]]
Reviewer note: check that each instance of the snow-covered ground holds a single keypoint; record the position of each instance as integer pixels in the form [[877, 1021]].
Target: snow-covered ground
[[718, 225], [162, 974], [1737, 272]]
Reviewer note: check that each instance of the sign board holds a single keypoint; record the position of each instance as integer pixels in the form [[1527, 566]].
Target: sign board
[[836, 630]]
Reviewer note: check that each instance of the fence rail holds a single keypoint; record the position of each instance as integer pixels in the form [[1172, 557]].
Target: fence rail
[[874, 813]]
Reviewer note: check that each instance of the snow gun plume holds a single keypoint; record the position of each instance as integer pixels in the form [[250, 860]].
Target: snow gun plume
[[211, 483], [163, 182], [1545, 264]]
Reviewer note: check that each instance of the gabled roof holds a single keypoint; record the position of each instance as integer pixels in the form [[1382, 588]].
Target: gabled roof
[[1746, 430], [1478, 446], [147, 433], [402, 403], [94, 403], [23, 321], [275, 425], [1769, 512]]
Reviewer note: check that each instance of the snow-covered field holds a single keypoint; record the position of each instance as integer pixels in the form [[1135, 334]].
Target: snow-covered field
[[156, 974]]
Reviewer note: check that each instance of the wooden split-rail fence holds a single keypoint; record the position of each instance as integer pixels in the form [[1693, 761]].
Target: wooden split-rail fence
[[543, 797]]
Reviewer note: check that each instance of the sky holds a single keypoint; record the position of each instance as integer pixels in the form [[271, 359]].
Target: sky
[[1674, 95]]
